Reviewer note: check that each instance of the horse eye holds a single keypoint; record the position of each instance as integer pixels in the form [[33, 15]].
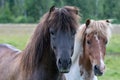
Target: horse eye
[[73, 32], [51, 32], [88, 42], [106, 42]]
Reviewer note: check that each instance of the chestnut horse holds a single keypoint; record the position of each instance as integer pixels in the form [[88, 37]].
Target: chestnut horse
[[89, 50], [48, 53]]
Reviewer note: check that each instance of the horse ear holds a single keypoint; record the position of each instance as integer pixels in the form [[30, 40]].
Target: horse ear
[[87, 22], [52, 9], [73, 9], [108, 21], [76, 10]]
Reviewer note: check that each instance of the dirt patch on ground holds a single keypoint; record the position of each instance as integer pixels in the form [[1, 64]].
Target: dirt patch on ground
[[116, 28], [30, 27]]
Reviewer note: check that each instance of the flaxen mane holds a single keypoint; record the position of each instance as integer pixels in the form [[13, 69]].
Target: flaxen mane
[[101, 27]]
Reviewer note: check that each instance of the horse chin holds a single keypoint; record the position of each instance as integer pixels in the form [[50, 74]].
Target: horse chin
[[64, 70], [63, 66], [98, 73]]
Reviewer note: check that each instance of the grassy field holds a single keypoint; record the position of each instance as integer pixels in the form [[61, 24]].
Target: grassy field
[[16, 35], [114, 44], [112, 72], [19, 35]]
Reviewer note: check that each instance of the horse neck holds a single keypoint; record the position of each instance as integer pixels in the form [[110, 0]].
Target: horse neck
[[49, 61], [47, 67], [86, 68], [49, 64]]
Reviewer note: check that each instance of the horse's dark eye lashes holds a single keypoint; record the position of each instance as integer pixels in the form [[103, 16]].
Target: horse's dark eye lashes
[[52, 33], [88, 42], [106, 42], [74, 32]]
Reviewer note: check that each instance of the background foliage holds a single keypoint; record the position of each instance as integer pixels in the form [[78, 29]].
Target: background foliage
[[30, 11]]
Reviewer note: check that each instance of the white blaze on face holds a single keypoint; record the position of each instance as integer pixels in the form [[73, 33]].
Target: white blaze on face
[[102, 65]]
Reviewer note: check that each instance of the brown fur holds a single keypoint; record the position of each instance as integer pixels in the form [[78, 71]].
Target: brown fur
[[89, 57], [36, 61]]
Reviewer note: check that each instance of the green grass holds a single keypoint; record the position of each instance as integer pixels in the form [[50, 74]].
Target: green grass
[[114, 44], [16, 36], [18, 41], [112, 68]]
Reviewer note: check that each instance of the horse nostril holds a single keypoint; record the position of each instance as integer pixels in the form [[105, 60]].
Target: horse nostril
[[65, 62], [54, 47], [96, 67], [59, 61], [97, 70]]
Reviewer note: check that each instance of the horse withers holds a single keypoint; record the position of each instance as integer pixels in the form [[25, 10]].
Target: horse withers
[[89, 51], [48, 53]]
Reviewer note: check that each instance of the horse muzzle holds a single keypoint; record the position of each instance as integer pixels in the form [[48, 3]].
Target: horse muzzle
[[64, 65], [98, 71]]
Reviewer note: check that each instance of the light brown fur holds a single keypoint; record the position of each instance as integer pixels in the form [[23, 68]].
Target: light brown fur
[[93, 51], [90, 42]]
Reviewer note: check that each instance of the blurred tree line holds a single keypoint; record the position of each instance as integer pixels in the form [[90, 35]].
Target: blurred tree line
[[30, 11]]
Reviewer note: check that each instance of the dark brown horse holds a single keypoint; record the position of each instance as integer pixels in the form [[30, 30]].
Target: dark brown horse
[[89, 50], [48, 53]]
